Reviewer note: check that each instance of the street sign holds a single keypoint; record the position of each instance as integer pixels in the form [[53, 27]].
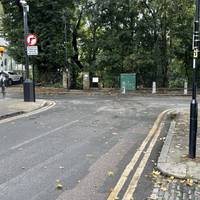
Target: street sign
[[31, 40], [95, 79], [32, 50]]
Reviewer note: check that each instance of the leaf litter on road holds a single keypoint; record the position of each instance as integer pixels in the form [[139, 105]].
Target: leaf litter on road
[[59, 185], [111, 173]]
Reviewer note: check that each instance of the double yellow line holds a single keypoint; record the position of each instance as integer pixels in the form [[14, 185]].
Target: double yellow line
[[152, 138]]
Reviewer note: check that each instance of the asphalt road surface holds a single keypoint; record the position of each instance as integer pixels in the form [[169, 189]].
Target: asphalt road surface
[[83, 143]]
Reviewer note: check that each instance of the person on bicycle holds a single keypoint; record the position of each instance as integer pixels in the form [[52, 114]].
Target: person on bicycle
[[3, 83]]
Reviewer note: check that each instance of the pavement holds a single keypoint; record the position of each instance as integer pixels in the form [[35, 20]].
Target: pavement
[[174, 159], [178, 176], [12, 107], [96, 91]]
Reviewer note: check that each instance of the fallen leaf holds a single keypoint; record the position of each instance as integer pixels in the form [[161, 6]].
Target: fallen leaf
[[155, 173], [189, 182], [164, 189], [153, 197], [59, 185], [162, 138], [110, 173], [182, 181]]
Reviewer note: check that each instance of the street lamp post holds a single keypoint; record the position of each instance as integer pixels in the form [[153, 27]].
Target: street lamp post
[[29, 89], [194, 104], [25, 15]]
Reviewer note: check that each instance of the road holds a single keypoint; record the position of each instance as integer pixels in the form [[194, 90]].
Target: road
[[85, 142]]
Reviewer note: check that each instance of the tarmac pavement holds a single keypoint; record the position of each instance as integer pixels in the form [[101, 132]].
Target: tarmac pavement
[[12, 107]]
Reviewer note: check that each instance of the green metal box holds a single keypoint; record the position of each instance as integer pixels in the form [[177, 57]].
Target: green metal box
[[128, 81]]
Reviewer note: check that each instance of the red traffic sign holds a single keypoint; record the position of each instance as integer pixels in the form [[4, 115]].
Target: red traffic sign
[[31, 40]]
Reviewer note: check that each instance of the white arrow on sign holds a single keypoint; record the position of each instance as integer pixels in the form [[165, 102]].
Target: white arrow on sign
[[31, 40]]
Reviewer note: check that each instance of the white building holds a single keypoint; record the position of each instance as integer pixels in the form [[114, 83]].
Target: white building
[[8, 63]]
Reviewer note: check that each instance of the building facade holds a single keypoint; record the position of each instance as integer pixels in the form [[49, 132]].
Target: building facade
[[7, 63]]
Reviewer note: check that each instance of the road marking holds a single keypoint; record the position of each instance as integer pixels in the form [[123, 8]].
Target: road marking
[[52, 104], [43, 135], [114, 194], [134, 181]]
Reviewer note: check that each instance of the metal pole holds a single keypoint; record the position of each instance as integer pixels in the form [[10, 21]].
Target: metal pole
[[29, 90], [194, 104], [33, 71], [25, 43]]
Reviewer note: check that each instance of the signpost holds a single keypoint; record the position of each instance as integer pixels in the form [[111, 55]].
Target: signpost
[[31, 40], [194, 104], [32, 50]]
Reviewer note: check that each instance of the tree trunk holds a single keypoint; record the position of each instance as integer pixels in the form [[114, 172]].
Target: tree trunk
[[75, 57]]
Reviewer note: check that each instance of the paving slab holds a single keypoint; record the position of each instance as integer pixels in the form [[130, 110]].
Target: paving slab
[[174, 160], [11, 106]]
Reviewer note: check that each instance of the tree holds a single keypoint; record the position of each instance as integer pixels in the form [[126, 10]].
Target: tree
[[151, 38], [45, 20], [163, 25]]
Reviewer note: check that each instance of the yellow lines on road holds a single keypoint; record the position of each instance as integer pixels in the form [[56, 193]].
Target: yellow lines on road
[[134, 181], [128, 195]]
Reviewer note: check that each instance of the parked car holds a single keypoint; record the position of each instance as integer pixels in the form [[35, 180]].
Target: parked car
[[13, 77]]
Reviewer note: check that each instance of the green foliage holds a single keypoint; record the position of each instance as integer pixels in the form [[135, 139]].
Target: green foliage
[[46, 21], [151, 38], [176, 74]]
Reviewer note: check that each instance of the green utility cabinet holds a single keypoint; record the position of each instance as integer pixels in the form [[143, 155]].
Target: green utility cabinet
[[128, 81]]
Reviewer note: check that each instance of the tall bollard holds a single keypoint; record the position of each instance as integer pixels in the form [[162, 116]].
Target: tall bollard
[[154, 88], [185, 88], [123, 88]]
